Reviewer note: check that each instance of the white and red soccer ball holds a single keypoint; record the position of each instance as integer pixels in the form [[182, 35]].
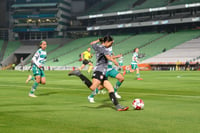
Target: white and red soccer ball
[[138, 104]]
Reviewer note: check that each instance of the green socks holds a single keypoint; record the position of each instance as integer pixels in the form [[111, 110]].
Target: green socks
[[33, 78], [138, 75], [94, 93], [118, 84], [34, 87]]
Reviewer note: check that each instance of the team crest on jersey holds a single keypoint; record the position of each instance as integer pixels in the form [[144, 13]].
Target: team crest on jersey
[[101, 76]]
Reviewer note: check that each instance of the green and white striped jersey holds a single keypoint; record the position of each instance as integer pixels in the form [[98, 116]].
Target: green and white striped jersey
[[134, 58], [39, 57]]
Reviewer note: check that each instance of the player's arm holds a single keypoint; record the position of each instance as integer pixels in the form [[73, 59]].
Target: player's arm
[[91, 55], [94, 42], [34, 59], [117, 56], [113, 60]]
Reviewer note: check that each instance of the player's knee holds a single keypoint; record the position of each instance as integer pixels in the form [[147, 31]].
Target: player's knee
[[43, 82], [121, 79]]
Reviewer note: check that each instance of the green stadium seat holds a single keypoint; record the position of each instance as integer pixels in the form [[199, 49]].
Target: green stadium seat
[[11, 47]]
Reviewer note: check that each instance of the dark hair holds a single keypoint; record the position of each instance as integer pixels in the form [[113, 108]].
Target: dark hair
[[106, 38], [101, 39]]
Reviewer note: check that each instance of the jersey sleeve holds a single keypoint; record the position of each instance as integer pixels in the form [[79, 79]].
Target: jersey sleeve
[[95, 46], [35, 57]]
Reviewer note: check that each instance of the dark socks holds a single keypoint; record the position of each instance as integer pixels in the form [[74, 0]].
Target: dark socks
[[113, 98], [85, 80]]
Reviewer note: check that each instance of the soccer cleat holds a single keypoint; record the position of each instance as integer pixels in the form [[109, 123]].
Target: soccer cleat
[[121, 108], [117, 95], [28, 79], [91, 99], [32, 95], [75, 72], [139, 79]]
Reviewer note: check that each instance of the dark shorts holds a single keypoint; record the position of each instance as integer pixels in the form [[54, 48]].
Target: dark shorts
[[99, 75], [85, 62]]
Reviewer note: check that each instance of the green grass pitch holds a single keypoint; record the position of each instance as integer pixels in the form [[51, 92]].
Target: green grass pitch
[[172, 104]]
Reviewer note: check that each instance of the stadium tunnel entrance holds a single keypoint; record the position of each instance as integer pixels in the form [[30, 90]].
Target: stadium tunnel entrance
[[21, 58]]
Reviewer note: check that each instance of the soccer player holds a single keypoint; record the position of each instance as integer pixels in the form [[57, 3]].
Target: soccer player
[[111, 72], [38, 60], [99, 75], [134, 64], [85, 57]]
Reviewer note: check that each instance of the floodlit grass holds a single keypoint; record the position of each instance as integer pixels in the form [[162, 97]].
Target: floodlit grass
[[172, 104]]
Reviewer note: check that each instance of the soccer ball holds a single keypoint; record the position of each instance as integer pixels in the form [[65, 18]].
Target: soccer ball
[[138, 104]]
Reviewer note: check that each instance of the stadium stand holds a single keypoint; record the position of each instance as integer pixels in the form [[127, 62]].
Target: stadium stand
[[52, 47], [177, 2], [120, 5], [188, 50], [99, 6], [160, 3], [152, 4], [11, 47], [135, 41], [1, 44]]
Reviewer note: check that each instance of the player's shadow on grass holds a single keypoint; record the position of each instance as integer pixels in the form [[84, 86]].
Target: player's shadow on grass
[[47, 94], [106, 104]]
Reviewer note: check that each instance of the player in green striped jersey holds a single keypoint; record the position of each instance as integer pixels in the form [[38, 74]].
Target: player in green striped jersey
[[134, 64], [38, 60]]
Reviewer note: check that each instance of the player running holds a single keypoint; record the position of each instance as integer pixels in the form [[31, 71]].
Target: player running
[[38, 60], [85, 57], [99, 75], [111, 72], [134, 63]]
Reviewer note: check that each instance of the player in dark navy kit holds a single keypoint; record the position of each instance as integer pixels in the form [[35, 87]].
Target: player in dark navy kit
[[99, 75]]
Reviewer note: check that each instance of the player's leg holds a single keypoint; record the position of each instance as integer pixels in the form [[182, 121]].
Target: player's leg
[[34, 86], [135, 67], [90, 67], [115, 74], [30, 78], [138, 74], [85, 80], [82, 66], [43, 78], [119, 82], [37, 74], [94, 93], [110, 89]]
